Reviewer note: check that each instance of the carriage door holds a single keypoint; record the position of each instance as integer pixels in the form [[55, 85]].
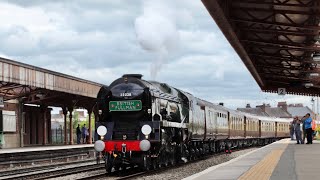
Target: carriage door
[[245, 126], [229, 125], [206, 125], [260, 128], [276, 129], [215, 122]]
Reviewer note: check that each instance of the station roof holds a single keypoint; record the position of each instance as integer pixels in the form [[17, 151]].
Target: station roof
[[278, 40], [44, 87]]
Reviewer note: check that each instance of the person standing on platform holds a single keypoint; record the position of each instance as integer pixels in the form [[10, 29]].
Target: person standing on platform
[[84, 134], [304, 133], [291, 128], [297, 130], [308, 128], [314, 126], [78, 134]]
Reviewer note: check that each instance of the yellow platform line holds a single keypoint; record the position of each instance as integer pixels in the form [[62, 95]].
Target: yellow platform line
[[263, 170]]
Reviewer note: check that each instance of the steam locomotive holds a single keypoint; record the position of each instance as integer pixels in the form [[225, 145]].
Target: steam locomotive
[[151, 124]]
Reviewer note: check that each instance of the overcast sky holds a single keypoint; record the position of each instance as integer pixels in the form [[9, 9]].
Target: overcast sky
[[176, 42]]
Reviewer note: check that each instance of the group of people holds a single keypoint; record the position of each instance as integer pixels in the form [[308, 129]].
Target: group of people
[[303, 128], [82, 134]]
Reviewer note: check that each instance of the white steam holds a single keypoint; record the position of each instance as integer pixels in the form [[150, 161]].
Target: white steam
[[157, 33]]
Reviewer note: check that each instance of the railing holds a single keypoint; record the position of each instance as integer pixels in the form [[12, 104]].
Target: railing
[[57, 136]]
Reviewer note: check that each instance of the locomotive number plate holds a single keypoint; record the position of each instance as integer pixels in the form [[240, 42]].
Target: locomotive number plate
[[132, 105]]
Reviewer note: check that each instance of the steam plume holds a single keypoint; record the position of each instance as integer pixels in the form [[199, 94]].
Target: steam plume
[[156, 32]]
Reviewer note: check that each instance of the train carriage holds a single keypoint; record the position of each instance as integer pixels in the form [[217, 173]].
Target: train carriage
[[252, 126], [282, 129], [236, 125]]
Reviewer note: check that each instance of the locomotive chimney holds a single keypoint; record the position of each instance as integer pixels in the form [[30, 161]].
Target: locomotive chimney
[[283, 105], [139, 76], [263, 107]]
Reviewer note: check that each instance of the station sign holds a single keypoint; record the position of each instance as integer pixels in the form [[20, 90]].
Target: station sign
[[282, 91], [130, 105]]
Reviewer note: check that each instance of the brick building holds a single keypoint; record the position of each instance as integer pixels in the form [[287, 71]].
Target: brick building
[[283, 110]]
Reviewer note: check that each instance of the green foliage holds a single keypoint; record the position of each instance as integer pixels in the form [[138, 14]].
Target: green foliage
[[76, 121], [87, 122]]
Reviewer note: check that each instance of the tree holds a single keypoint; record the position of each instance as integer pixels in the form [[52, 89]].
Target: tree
[[75, 119], [87, 121]]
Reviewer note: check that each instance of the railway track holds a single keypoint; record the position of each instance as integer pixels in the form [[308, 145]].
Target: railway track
[[57, 173], [40, 168], [116, 174], [50, 172]]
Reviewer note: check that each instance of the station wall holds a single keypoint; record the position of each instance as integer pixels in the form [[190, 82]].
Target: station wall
[[9, 137], [32, 125]]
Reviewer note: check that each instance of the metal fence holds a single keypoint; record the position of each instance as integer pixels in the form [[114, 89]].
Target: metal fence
[[57, 136]]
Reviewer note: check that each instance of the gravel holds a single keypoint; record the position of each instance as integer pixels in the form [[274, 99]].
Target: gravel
[[193, 168]]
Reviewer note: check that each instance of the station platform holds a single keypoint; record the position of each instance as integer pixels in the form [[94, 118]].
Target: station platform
[[281, 160], [43, 148]]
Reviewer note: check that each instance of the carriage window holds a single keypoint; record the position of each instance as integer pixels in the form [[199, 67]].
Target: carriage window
[[269, 125], [242, 124], [232, 124], [237, 123]]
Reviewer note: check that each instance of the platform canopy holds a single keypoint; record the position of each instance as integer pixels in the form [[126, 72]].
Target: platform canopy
[[278, 40], [35, 85]]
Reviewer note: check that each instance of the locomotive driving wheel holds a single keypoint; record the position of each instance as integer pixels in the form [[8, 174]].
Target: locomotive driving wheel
[[108, 163], [154, 163], [173, 156], [146, 162]]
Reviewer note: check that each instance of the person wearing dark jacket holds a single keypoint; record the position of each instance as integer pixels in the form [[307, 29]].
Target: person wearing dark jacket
[[297, 130], [78, 134], [291, 128]]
